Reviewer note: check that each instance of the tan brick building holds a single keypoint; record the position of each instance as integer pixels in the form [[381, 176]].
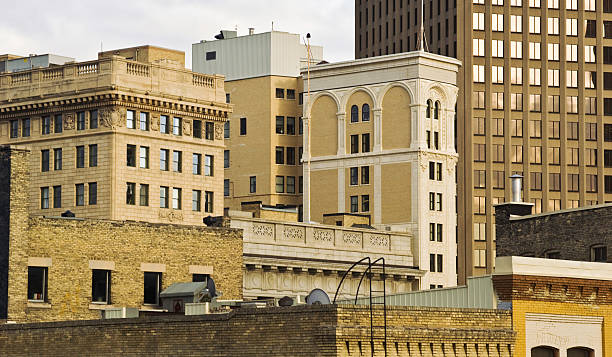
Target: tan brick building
[[55, 268], [264, 134], [132, 135]]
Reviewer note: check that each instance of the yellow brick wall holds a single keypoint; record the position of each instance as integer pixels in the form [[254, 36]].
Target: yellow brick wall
[[396, 193], [72, 243], [396, 119]]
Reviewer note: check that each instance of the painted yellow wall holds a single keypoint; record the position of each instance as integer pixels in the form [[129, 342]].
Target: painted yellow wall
[[521, 307], [396, 119], [324, 191], [324, 127], [396, 193]]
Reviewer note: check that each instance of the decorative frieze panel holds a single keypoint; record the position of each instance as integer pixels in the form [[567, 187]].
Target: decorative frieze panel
[[294, 234], [111, 117], [380, 241], [324, 236], [263, 231], [69, 121], [218, 131], [352, 238]]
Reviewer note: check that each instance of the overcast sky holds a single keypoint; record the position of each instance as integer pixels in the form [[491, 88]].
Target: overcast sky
[[77, 28]]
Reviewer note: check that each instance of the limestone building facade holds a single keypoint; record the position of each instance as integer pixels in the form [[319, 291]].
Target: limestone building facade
[[55, 268], [132, 135], [379, 140], [263, 136]]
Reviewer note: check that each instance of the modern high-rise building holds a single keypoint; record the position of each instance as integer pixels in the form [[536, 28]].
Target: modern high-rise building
[[132, 135], [379, 142], [264, 134], [533, 100]]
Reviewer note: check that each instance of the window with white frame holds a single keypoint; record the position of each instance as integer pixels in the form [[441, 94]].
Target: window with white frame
[[478, 21], [478, 47], [480, 231], [553, 77], [571, 27], [553, 4], [516, 23], [534, 3], [571, 53], [571, 4], [571, 104], [516, 75], [589, 5], [572, 79], [589, 54], [516, 101], [497, 100], [516, 49], [516, 3], [497, 22], [480, 258], [553, 51], [497, 2], [497, 48], [534, 24], [535, 76], [478, 73], [497, 74], [589, 79], [553, 25], [534, 50]]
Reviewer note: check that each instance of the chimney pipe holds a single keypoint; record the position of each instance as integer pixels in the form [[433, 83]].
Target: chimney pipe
[[251, 30], [517, 181]]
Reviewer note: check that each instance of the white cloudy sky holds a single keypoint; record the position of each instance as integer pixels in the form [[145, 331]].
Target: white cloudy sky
[[75, 28]]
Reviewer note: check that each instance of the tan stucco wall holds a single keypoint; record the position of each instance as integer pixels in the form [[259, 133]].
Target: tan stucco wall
[[396, 197], [324, 191], [324, 127], [396, 119]]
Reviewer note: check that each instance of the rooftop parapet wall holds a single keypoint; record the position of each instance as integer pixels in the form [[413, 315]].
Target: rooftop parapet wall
[[116, 73]]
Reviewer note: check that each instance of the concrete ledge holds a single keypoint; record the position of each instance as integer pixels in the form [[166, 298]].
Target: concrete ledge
[[39, 262], [153, 267]]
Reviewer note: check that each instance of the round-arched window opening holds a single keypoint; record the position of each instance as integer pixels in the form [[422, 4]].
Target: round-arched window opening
[[365, 112], [544, 351], [354, 114], [437, 110], [579, 352], [429, 108]]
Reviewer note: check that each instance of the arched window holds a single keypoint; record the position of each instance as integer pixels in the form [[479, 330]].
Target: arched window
[[429, 107], [437, 110], [544, 351], [354, 114], [365, 112], [579, 352]]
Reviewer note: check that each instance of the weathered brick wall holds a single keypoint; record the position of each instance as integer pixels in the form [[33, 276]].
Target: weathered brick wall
[[296, 331], [571, 233], [14, 182]]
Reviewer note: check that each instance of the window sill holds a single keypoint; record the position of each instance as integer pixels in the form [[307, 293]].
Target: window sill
[[152, 308], [99, 306], [39, 304]]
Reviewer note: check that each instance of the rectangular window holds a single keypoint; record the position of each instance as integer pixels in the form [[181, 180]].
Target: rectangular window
[[44, 160], [290, 184], [130, 193], [535, 181], [226, 130], [280, 93], [46, 125], [100, 286], [196, 200], [354, 204], [14, 126], [439, 262], [365, 203], [499, 179], [479, 152], [197, 164], [554, 181], [80, 116], [226, 187], [93, 155], [354, 176], [553, 129], [432, 232], [354, 144], [44, 197], [197, 129], [553, 155], [57, 196], [177, 161], [177, 198], [280, 184], [209, 165], [210, 130], [226, 159], [280, 124], [243, 126], [58, 123], [365, 175], [290, 156], [301, 184], [290, 126], [25, 127], [209, 202], [130, 117], [211, 55], [164, 125], [253, 184], [535, 128], [480, 180], [80, 194], [572, 182], [144, 157], [432, 263], [280, 155], [80, 156], [438, 202], [163, 196], [131, 155], [163, 159], [93, 193], [37, 283], [591, 183], [177, 126], [57, 159], [152, 288], [93, 119], [365, 142], [144, 195]]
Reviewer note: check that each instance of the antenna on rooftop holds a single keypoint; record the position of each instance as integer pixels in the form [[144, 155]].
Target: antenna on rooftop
[[309, 54], [422, 38]]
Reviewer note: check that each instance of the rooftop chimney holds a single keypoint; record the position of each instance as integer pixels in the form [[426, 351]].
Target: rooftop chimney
[[517, 181], [251, 30]]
